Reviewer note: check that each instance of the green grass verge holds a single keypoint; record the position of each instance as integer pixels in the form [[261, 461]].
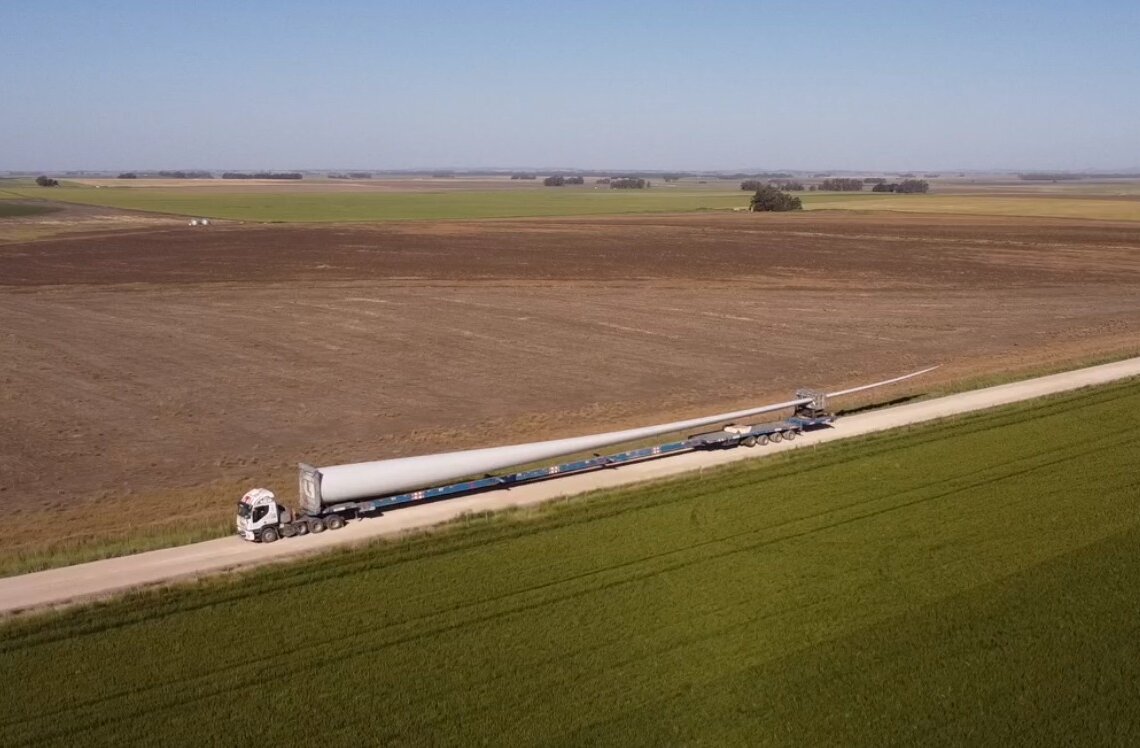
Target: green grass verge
[[969, 581], [96, 547]]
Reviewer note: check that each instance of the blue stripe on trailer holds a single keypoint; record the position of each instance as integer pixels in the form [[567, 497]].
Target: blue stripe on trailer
[[715, 440]]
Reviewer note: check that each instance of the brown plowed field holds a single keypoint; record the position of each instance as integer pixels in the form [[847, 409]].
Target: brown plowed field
[[157, 374]]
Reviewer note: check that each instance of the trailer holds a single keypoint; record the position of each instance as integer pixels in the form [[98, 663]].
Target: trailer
[[261, 518]]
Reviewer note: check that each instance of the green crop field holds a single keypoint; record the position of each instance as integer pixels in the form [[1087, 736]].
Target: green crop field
[[1045, 206], [968, 582], [19, 210], [308, 203], [331, 206]]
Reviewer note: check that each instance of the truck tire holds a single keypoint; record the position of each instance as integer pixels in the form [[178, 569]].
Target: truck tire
[[749, 441], [268, 535], [762, 440], [334, 522], [302, 528], [789, 435], [316, 524], [775, 437]]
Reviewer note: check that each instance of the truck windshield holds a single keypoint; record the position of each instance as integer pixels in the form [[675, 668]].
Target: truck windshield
[[243, 509]]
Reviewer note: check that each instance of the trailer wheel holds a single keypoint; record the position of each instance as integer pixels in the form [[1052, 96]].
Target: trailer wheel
[[268, 535], [789, 435], [302, 528], [316, 525], [749, 441], [762, 440], [775, 437], [334, 522]]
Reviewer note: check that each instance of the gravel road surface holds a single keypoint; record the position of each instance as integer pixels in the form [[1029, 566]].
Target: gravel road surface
[[71, 584]]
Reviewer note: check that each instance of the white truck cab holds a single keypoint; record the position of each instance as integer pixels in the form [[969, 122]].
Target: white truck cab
[[260, 518]]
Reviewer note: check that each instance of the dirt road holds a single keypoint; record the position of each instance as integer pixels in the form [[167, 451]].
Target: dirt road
[[102, 578]]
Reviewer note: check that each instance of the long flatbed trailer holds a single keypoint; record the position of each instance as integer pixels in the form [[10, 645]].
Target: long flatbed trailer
[[330, 496], [727, 438]]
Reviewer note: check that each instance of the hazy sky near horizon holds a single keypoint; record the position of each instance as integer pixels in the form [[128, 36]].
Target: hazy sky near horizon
[[1020, 84]]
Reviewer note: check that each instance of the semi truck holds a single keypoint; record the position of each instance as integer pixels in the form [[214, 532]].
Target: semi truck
[[331, 496]]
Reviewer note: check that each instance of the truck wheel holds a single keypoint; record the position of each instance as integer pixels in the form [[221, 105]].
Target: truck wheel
[[268, 535], [334, 522], [789, 435], [775, 437], [316, 525], [302, 528], [749, 441], [762, 439]]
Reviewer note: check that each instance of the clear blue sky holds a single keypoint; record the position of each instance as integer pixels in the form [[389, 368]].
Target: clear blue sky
[[667, 85]]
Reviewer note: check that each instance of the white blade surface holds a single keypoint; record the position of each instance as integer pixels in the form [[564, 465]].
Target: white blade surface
[[364, 479]]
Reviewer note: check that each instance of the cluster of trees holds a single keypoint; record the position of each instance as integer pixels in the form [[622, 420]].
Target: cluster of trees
[[263, 175], [841, 184], [558, 180], [751, 185], [629, 183], [43, 181], [907, 186], [770, 199], [185, 174], [352, 175], [523, 176], [763, 175], [169, 174]]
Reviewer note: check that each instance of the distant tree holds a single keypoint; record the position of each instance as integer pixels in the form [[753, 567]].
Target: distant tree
[[263, 175], [908, 186], [769, 199], [128, 175], [628, 183], [523, 176], [751, 185], [555, 181], [788, 186], [43, 181], [840, 184], [913, 186], [185, 174], [575, 180], [603, 180]]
